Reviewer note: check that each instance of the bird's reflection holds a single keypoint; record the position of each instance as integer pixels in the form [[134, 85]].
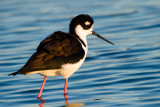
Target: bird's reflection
[[66, 98], [74, 105], [66, 101], [41, 104]]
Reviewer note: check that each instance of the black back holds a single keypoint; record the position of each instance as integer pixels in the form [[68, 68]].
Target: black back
[[57, 49]]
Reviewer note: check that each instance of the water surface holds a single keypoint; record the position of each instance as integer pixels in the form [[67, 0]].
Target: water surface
[[126, 74]]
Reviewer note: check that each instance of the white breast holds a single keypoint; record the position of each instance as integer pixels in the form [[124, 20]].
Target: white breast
[[68, 69]]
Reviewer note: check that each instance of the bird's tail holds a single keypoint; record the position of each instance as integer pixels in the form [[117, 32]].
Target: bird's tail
[[14, 73]]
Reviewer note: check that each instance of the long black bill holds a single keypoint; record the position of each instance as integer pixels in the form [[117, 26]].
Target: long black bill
[[94, 33]]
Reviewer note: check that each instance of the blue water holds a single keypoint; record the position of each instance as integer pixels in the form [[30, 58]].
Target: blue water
[[126, 74]]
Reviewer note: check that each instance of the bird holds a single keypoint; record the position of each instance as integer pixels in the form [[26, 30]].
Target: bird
[[61, 53]]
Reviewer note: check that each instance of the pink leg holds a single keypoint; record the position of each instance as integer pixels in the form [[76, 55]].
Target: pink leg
[[40, 92], [65, 86]]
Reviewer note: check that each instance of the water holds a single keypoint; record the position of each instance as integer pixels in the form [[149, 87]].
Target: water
[[126, 74]]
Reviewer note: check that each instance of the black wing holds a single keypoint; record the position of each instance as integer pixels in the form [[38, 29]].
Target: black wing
[[57, 49]]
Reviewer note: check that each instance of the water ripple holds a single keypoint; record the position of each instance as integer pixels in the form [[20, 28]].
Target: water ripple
[[126, 74]]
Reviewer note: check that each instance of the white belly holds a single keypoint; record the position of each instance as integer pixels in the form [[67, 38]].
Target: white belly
[[68, 69]]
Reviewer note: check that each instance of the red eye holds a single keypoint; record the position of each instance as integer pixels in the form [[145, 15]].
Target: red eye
[[87, 26]]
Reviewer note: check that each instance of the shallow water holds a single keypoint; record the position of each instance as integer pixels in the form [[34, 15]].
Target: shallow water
[[126, 74]]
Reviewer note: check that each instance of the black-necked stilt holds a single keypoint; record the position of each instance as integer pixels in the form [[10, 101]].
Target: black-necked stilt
[[61, 53]]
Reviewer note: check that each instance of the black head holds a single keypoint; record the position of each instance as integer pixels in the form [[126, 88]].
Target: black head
[[84, 20], [82, 25]]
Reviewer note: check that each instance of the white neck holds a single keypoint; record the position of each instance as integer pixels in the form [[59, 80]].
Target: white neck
[[83, 33]]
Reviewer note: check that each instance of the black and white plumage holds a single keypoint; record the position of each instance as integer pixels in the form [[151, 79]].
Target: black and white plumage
[[62, 53], [56, 51]]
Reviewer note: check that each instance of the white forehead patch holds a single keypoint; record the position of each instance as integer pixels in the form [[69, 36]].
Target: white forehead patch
[[87, 23]]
